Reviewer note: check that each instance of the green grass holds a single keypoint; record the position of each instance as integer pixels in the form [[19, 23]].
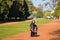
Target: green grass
[[13, 29]]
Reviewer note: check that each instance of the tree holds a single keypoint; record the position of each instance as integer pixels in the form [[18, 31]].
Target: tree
[[46, 14], [15, 10], [37, 12], [57, 10], [5, 11], [26, 10], [0, 10]]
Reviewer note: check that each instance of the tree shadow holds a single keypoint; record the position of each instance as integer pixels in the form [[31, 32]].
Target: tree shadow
[[58, 38], [11, 20], [57, 34]]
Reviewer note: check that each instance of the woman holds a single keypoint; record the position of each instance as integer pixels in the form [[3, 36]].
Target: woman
[[33, 28]]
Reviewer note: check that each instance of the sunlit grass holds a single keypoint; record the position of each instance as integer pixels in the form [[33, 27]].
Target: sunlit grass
[[12, 29]]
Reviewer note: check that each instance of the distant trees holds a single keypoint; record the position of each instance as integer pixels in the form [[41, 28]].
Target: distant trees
[[57, 10], [47, 14], [37, 12]]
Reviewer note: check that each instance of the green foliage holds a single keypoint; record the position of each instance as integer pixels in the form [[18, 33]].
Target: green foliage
[[58, 1], [47, 13], [57, 10], [37, 12], [19, 9], [26, 10]]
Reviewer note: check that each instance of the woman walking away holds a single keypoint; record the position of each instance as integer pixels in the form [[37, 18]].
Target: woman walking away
[[33, 28]]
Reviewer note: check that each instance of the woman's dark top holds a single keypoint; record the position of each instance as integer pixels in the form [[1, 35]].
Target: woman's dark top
[[33, 27]]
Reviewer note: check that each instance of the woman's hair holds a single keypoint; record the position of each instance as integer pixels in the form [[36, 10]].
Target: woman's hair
[[33, 21]]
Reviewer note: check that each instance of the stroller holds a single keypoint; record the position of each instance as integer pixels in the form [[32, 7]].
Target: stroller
[[34, 30]]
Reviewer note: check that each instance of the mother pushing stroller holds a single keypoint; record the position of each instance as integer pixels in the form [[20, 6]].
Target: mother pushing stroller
[[33, 28]]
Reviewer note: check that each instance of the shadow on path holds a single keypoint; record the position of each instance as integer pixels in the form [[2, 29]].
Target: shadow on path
[[56, 34], [36, 36]]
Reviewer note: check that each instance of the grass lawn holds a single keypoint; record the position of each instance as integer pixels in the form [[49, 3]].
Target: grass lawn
[[13, 29]]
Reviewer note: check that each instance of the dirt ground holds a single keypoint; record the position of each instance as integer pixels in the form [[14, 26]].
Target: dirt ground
[[50, 31]]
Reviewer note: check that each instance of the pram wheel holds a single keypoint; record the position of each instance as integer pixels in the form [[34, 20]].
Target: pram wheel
[[33, 34]]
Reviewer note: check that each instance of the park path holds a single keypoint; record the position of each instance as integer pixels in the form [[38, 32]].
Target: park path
[[50, 31]]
